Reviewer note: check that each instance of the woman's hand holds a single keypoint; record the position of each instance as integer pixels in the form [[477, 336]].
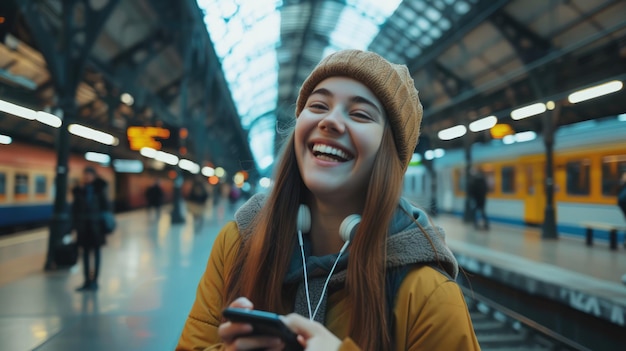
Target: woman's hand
[[234, 334], [312, 335]]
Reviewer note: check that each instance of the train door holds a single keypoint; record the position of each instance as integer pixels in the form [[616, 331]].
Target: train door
[[535, 195]]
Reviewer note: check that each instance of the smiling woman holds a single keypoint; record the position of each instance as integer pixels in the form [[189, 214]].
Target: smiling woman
[[333, 245]]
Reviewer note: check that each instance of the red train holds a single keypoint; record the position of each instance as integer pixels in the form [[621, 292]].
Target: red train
[[27, 185]]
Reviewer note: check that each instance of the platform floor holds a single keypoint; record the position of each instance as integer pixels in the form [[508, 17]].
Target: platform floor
[[151, 269]]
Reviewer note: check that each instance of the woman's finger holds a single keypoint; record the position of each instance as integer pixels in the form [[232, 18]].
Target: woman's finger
[[242, 302], [299, 325], [258, 342], [229, 331]]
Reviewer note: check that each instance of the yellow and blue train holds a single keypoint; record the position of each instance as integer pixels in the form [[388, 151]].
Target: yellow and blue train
[[589, 159]]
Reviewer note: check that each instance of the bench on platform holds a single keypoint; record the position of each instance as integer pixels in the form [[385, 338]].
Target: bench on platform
[[611, 228]]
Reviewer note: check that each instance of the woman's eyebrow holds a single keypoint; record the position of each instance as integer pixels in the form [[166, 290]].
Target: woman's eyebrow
[[362, 100], [355, 99], [322, 91]]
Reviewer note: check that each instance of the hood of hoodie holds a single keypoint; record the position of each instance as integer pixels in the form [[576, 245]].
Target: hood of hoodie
[[407, 244]]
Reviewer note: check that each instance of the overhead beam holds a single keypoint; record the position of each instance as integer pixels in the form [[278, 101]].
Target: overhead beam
[[514, 74], [452, 83], [528, 44], [481, 11]]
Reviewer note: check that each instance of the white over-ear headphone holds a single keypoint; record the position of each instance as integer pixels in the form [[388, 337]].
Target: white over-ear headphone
[[346, 230]]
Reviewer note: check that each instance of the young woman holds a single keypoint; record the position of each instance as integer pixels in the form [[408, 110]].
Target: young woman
[[384, 284]]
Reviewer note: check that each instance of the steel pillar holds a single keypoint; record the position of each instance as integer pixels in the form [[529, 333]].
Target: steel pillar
[[468, 212], [548, 230]]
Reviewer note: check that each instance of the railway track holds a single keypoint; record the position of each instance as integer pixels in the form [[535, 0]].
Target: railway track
[[500, 329]]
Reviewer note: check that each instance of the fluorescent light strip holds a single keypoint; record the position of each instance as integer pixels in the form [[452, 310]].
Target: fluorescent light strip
[[189, 165], [127, 166], [148, 152], [17, 110], [97, 157], [527, 111], [208, 171], [483, 124], [596, 91], [525, 136], [5, 139], [49, 119], [164, 157], [92, 134], [452, 133]]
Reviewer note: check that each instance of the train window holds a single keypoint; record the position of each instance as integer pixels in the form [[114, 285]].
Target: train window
[[41, 185], [3, 186], [612, 169], [577, 173], [508, 180], [21, 186]]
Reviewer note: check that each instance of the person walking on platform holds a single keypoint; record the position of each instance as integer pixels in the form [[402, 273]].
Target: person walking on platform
[[333, 247], [478, 194], [196, 203], [90, 201], [154, 197]]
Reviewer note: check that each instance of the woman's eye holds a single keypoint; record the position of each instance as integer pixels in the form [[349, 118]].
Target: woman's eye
[[317, 106], [362, 116]]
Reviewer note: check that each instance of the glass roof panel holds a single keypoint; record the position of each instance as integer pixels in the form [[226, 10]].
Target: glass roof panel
[[245, 35], [359, 23], [263, 144]]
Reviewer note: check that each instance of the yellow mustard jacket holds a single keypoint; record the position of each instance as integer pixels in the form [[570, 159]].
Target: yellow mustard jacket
[[430, 311]]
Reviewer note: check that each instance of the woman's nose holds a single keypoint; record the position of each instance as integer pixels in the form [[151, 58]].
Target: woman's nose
[[333, 122]]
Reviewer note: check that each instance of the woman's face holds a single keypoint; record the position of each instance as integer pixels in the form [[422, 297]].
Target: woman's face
[[337, 136]]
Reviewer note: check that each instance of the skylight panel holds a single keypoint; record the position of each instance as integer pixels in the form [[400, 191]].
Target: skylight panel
[[352, 31], [419, 5], [461, 7], [444, 24], [413, 51], [261, 137], [413, 32], [245, 35], [359, 23], [423, 24], [433, 14], [435, 32]]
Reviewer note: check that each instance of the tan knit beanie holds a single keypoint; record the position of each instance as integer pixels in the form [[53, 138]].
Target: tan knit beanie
[[392, 84]]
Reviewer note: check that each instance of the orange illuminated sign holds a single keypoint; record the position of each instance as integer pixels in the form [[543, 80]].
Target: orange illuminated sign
[[499, 131], [140, 137]]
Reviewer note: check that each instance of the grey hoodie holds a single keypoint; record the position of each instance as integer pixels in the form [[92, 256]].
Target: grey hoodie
[[406, 245]]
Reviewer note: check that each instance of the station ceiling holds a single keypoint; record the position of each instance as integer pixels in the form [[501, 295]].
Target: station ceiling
[[229, 71]]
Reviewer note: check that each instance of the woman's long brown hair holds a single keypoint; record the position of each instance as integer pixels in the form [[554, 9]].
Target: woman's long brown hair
[[264, 257]]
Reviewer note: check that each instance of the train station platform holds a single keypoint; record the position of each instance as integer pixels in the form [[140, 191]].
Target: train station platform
[[150, 269], [585, 278]]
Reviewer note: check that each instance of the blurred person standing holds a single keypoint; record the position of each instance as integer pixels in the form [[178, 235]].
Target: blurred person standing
[[478, 197], [233, 196], [154, 196], [90, 201], [196, 202]]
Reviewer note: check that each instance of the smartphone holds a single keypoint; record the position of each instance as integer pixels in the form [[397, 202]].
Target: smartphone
[[264, 323]]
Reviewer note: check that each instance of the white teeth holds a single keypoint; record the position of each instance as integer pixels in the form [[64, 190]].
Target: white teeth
[[326, 149]]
